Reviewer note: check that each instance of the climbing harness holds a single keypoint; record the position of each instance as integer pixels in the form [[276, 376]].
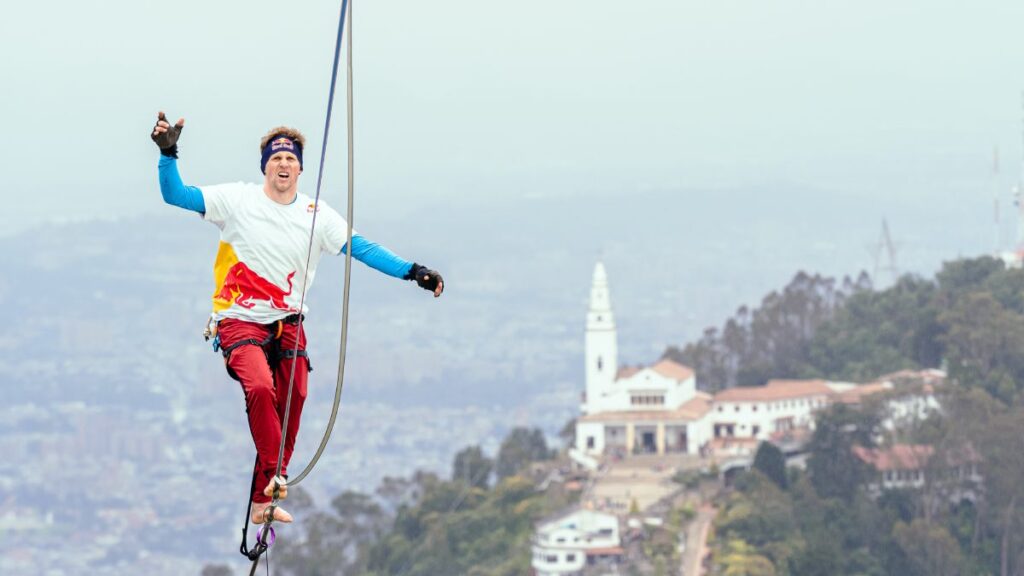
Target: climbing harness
[[271, 345], [265, 536]]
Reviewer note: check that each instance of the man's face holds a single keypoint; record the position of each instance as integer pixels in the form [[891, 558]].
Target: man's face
[[283, 171]]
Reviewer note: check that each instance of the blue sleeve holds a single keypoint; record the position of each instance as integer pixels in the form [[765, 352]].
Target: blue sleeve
[[174, 190], [378, 257]]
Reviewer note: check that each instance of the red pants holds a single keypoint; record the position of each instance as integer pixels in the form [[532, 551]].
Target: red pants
[[265, 385]]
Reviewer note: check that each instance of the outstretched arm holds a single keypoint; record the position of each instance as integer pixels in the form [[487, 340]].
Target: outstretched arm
[[380, 258], [172, 188]]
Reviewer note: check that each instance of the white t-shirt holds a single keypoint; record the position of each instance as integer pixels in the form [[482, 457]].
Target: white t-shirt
[[261, 263]]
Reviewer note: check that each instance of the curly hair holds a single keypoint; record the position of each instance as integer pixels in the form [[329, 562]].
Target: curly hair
[[283, 131]]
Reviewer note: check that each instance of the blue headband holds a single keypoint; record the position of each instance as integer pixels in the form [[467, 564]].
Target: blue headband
[[280, 143]]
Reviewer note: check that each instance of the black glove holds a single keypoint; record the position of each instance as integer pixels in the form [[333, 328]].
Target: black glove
[[425, 277], [167, 141]]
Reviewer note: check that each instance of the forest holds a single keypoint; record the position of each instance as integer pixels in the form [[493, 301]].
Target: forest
[[823, 520]]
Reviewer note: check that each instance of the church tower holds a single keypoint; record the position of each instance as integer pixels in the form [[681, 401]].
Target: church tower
[[602, 350]]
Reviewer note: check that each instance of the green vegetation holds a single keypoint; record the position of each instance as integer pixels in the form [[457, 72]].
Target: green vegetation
[[427, 526], [772, 341], [969, 319], [661, 546], [770, 461]]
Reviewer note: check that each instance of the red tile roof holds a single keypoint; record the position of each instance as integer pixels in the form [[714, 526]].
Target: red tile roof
[[775, 390], [898, 457], [912, 456], [857, 394], [673, 369], [667, 368]]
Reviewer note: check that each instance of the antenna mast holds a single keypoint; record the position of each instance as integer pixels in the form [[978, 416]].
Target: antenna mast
[[1018, 189], [1000, 242], [885, 248]]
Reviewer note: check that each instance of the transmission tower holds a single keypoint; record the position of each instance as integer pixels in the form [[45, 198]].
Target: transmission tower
[[884, 254]]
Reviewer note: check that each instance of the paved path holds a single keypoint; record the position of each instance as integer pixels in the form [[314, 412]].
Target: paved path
[[641, 479], [697, 541], [622, 483]]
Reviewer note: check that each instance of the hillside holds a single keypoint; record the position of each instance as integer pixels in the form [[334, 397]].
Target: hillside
[[828, 519]]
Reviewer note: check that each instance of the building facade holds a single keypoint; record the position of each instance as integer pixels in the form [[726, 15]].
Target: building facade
[[954, 476], [761, 412], [577, 542]]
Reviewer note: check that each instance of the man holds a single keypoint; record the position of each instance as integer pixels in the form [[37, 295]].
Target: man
[[260, 274]]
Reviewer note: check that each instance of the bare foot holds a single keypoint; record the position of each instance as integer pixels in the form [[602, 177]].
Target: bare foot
[[260, 512], [282, 488]]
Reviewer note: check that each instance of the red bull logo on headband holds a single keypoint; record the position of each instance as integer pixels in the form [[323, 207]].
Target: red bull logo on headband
[[282, 144]]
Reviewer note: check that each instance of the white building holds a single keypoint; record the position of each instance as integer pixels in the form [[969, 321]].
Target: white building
[[649, 425], [570, 543], [783, 411], [760, 412], [912, 397], [658, 410], [654, 409]]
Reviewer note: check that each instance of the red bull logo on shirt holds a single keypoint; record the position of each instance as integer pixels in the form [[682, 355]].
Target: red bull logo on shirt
[[244, 287]]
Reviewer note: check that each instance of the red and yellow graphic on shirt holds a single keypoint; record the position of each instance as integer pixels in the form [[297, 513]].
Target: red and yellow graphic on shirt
[[238, 284]]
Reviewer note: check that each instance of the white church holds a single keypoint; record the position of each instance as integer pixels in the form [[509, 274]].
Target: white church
[[654, 410], [658, 409]]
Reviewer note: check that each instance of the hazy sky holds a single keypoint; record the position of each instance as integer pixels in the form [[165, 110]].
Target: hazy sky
[[479, 98]]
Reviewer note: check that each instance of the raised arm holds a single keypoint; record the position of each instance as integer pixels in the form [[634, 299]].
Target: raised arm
[[174, 191]]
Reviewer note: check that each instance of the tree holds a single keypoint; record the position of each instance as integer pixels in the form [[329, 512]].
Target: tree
[[835, 470], [769, 341], [770, 461], [983, 342], [741, 559], [519, 448], [1002, 468], [472, 467], [397, 492], [962, 276], [822, 556], [216, 570], [929, 548], [332, 542], [879, 332]]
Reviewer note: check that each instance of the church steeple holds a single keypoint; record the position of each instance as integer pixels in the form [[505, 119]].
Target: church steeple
[[602, 362]]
